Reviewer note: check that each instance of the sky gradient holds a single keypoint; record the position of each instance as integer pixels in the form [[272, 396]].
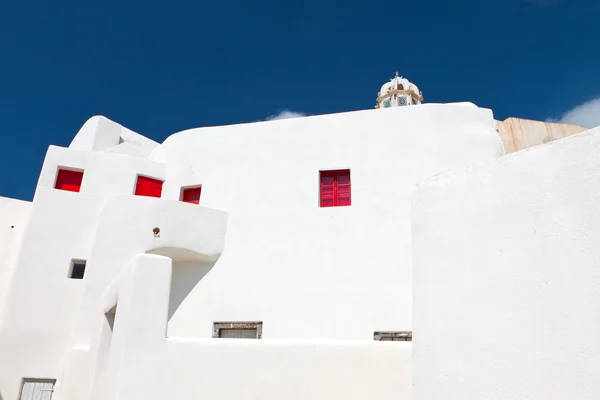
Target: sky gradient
[[159, 67]]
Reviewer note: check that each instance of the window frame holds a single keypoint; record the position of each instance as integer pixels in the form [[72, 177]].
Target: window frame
[[393, 336], [151, 178], [76, 261], [335, 173], [60, 169], [185, 188], [217, 326], [37, 380]]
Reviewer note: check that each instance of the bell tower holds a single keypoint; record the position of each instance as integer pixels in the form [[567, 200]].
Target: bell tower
[[398, 92]]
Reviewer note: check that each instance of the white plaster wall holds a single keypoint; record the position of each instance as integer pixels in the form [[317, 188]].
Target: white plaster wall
[[123, 231], [186, 276], [101, 134], [42, 302], [272, 369], [310, 272], [43, 330], [14, 215], [48, 327], [104, 173], [507, 284], [150, 366], [97, 133]]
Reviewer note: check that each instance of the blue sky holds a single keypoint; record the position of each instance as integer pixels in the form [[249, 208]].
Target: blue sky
[[158, 67]]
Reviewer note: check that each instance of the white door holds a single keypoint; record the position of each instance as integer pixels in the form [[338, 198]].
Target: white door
[[37, 389]]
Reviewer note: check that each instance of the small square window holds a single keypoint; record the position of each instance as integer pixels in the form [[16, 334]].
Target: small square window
[[335, 188], [77, 269], [400, 336], [149, 187], [237, 330], [245, 333], [191, 195], [37, 388], [69, 180]]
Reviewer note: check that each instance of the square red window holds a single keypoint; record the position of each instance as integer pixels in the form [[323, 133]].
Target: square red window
[[149, 187], [70, 180], [191, 195], [335, 188]]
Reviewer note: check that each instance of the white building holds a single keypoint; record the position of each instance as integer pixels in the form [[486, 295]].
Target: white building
[[507, 283], [141, 270]]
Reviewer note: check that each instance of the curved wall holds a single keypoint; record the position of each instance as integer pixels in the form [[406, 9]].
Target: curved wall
[[507, 277], [310, 272]]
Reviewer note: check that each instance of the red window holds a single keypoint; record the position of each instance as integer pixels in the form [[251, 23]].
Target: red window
[[148, 187], [335, 188], [191, 195], [68, 180]]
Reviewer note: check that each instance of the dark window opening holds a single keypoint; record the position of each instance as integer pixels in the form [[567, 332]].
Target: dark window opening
[[77, 269]]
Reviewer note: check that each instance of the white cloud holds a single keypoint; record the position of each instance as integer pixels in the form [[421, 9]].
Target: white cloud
[[285, 114], [586, 115]]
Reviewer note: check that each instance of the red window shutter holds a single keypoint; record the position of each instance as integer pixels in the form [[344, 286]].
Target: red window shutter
[[69, 180], [191, 195], [343, 188], [335, 188], [148, 187], [327, 190]]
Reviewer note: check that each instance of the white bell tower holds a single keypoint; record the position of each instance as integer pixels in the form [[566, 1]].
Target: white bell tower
[[398, 92]]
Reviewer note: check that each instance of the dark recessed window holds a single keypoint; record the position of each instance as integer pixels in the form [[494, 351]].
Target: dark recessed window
[[191, 195], [68, 180], [77, 269], [237, 330], [403, 336], [335, 188]]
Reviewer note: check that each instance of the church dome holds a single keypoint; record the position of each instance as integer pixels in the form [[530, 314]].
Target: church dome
[[398, 92], [398, 82]]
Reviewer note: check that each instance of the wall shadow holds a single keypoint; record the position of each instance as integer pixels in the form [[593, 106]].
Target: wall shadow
[[188, 270], [184, 278]]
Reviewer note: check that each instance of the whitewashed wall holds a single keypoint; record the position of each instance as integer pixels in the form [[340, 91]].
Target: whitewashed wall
[[310, 274], [507, 277], [151, 366], [14, 215], [40, 315]]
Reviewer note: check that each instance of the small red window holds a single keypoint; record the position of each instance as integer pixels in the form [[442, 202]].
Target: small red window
[[67, 179], [148, 187], [191, 195], [335, 188]]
